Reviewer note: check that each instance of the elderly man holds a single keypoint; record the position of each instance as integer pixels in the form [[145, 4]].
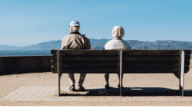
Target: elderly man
[[116, 43], [75, 41]]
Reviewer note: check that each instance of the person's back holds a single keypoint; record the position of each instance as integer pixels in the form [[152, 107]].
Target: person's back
[[116, 43], [75, 41]]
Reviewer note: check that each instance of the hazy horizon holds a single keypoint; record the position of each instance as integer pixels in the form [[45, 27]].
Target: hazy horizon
[[90, 38]]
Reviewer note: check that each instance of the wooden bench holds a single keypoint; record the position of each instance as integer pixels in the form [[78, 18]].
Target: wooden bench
[[122, 61]]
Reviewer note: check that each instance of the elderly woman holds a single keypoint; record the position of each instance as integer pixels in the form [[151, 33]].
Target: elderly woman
[[116, 43]]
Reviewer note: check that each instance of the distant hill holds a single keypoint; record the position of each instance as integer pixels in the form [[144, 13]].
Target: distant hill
[[99, 44], [9, 47]]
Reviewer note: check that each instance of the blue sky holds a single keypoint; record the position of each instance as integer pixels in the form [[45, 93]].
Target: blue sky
[[27, 22]]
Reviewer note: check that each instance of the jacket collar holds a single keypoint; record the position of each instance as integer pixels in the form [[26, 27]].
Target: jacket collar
[[75, 33]]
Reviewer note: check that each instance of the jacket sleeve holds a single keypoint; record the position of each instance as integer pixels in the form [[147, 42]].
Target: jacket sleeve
[[88, 44], [63, 43]]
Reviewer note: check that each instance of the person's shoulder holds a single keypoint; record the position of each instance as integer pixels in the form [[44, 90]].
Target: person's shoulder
[[124, 41], [66, 37], [87, 39], [108, 44], [110, 41]]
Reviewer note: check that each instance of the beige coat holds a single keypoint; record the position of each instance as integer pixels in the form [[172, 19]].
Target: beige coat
[[75, 41]]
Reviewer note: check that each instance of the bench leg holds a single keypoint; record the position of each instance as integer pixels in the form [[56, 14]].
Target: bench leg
[[120, 84], [59, 69], [181, 80], [58, 84], [120, 73]]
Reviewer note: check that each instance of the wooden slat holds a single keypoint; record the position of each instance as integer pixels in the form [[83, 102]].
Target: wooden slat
[[135, 52], [54, 57], [125, 63], [150, 63], [154, 52], [187, 57], [187, 63], [154, 66], [89, 52], [150, 57], [151, 66], [125, 69], [187, 51], [89, 63], [150, 52], [128, 58], [54, 51], [151, 70], [90, 58], [92, 70]]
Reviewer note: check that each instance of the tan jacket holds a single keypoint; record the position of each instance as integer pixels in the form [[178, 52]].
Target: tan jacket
[[75, 41]]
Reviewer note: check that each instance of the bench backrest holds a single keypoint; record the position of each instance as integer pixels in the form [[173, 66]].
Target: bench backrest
[[88, 61], [154, 61], [108, 61]]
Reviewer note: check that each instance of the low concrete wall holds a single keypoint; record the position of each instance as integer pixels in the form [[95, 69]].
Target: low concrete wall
[[24, 64]]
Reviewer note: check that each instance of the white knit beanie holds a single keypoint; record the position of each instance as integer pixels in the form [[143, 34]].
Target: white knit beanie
[[117, 32]]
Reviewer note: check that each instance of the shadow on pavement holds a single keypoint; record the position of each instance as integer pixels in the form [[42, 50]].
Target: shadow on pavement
[[130, 91]]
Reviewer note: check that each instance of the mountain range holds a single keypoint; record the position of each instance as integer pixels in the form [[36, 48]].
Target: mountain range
[[99, 44]]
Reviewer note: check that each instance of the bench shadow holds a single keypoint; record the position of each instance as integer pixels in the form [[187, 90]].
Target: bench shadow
[[130, 91]]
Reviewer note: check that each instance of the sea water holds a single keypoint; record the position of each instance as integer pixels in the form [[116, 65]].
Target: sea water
[[23, 53]]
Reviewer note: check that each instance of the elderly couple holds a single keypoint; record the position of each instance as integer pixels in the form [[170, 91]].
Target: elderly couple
[[77, 41]]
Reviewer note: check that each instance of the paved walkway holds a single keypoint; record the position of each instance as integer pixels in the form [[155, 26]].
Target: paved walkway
[[49, 93]]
